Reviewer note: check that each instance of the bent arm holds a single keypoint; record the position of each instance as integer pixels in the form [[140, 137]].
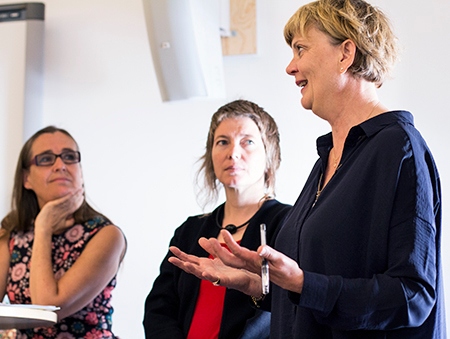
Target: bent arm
[[384, 302], [284, 271], [402, 295], [96, 266]]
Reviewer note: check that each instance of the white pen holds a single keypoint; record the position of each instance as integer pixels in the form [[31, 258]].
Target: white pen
[[264, 263]]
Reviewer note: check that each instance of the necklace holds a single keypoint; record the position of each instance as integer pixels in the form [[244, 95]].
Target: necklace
[[230, 227], [335, 159], [319, 190]]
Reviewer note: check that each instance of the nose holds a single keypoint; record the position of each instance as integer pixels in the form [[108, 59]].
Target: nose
[[235, 151], [291, 68], [59, 165]]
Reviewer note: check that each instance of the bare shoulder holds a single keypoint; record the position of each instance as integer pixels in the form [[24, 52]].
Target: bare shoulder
[[4, 259], [110, 238], [112, 230], [4, 239], [4, 234]]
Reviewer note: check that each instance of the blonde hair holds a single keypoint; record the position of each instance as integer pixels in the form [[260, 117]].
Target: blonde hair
[[367, 26]]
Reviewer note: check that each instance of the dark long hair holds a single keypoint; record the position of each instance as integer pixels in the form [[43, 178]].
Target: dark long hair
[[24, 203]]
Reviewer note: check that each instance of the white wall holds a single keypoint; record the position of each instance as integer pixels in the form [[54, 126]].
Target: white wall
[[139, 153]]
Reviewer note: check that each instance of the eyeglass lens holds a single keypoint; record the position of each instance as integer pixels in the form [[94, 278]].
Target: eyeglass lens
[[48, 159]]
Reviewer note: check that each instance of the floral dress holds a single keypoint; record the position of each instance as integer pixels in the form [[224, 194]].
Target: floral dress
[[91, 322]]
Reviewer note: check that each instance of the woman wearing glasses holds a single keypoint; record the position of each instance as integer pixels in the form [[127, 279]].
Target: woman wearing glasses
[[55, 249], [242, 155]]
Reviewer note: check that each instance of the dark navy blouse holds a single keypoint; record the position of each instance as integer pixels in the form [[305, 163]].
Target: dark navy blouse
[[370, 246]]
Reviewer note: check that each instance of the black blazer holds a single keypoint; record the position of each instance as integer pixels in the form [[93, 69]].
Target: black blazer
[[169, 307]]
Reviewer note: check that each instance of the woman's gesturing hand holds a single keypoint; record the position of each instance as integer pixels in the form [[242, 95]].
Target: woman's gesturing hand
[[216, 271], [284, 271]]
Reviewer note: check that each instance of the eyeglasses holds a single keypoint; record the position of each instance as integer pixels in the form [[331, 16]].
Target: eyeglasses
[[48, 159]]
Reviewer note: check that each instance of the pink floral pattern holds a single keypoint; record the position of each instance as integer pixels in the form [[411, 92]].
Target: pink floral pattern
[[18, 271], [91, 322]]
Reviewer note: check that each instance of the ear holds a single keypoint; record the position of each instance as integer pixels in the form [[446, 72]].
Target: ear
[[26, 182], [348, 51]]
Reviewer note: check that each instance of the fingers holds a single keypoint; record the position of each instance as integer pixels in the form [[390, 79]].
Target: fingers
[[215, 270], [70, 202], [207, 246], [57, 215], [66, 205], [241, 257], [231, 243], [181, 260], [185, 266], [183, 256], [284, 271], [273, 256], [227, 257], [192, 264], [213, 247]]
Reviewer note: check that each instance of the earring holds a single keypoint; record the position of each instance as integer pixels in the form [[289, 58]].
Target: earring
[[342, 70]]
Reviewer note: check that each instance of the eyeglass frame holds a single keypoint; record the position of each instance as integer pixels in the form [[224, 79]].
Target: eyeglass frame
[[35, 158]]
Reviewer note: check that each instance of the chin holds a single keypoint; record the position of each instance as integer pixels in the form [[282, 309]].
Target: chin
[[231, 184], [305, 104], [63, 191]]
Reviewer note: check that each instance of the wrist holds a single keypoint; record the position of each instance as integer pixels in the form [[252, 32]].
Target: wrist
[[42, 232]]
